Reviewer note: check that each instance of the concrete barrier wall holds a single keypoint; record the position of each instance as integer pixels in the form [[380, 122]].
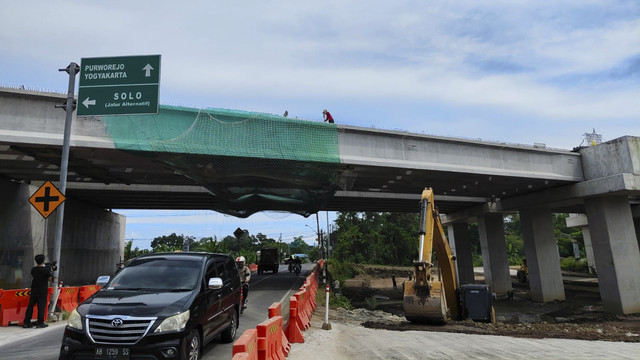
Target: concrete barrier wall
[[92, 240]]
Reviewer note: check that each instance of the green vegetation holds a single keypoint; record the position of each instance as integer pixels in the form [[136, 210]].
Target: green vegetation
[[370, 303], [571, 264], [340, 270], [392, 239], [246, 245], [379, 238], [376, 238], [335, 300]]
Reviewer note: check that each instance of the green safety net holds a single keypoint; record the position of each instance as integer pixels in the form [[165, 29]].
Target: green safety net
[[250, 161]]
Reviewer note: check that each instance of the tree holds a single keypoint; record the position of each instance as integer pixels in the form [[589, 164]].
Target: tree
[[132, 253], [265, 241], [513, 239], [173, 242], [209, 244]]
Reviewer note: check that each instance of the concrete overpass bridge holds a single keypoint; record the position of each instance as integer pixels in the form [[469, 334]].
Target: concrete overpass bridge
[[240, 162]]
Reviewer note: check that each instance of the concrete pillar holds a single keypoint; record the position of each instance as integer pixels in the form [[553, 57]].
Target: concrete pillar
[[494, 253], [616, 253], [588, 249], [92, 239], [541, 251], [636, 225], [580, 221], [460, 243]]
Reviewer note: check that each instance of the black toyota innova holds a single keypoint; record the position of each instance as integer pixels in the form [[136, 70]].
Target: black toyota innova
[[159, 306]]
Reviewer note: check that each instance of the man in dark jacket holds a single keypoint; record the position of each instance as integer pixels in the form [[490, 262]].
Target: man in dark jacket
[[40, 274]]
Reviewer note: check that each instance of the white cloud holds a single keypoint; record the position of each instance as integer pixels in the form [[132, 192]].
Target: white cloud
[[513, 71]]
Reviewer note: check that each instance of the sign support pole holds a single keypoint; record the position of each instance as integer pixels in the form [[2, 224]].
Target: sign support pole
[[70, 106]]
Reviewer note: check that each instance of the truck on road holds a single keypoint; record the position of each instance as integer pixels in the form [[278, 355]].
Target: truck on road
[[268, 260]]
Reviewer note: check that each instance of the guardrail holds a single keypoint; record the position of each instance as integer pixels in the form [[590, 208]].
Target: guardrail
[[13, 306], [271, 339], [13, 303]]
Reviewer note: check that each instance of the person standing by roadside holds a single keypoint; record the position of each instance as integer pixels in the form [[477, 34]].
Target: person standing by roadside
[[40, 274]]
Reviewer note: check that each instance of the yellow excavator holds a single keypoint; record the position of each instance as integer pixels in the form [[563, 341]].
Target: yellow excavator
[[427, 300]]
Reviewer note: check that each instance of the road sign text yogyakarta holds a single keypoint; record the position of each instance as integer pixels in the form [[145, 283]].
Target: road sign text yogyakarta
[[119, 85]]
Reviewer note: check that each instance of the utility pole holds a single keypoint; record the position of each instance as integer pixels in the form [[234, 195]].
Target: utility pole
[[69, 106], [319, 237]]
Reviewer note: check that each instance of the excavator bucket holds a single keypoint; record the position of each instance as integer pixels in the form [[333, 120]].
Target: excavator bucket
[[423, 304]]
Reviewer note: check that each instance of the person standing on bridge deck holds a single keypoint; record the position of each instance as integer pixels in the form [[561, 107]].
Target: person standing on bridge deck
[[327, 116], [245, 276], [41, 274]]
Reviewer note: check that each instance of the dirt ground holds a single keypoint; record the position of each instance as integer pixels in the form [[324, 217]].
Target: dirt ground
[[580, 316]]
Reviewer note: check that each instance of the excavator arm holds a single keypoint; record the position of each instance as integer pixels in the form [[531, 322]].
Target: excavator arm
[[427, 300]]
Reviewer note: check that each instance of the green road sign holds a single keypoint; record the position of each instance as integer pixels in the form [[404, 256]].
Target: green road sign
[[121, 85]]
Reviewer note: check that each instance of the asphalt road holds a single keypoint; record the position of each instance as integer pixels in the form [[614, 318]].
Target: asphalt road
[[17, 343], [264, 290]]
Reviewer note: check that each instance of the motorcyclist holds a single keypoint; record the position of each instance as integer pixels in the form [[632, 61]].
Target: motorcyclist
[[297, 262], [291, 260], [245, 276]]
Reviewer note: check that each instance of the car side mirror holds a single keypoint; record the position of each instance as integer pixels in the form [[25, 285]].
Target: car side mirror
[[215, 283], [103, 280]]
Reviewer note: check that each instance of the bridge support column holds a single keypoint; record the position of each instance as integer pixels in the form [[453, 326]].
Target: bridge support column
[[93, 238], [616, 251], [580, 221], [460, 242], [541, 251], [494, 253]]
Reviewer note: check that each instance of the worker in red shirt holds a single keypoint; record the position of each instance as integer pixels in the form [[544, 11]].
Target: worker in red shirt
[[327, 116]]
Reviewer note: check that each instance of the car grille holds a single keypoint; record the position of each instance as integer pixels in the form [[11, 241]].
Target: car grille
[[117, 329]]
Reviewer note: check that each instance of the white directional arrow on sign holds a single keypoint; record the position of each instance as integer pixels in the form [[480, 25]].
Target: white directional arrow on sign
[[147, 69], [88, 102]]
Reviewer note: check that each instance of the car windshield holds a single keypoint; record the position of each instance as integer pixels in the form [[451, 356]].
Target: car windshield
[[158, 275]]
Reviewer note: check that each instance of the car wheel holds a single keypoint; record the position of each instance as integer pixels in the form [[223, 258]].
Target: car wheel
[[192, 346], [229, 334]]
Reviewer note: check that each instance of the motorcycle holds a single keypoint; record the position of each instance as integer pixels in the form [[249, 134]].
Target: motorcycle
[[297, 268]]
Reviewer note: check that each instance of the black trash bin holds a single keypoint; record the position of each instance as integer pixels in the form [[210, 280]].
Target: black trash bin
[[476, 302]]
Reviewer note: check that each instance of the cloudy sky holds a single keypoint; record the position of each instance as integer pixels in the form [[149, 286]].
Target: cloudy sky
[[510, 71]]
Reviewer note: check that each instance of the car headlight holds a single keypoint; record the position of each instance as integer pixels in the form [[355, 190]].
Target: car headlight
[[75, 320], [174, 323]]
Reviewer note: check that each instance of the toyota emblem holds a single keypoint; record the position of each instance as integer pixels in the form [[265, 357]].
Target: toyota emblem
[[117, 322]]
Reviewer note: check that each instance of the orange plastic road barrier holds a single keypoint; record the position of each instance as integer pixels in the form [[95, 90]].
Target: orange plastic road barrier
[[68, 298], [294, 331], [241, 356], [247, 344], [312, 289], [304, 316], [276, 310], [269, 339], [13, 306], [253, 267], [86, 291]]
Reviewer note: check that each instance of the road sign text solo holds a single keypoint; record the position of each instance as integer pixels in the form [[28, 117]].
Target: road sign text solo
[[127, 96]]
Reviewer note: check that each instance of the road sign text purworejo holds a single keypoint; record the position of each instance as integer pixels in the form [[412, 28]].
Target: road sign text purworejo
[[119, 85]]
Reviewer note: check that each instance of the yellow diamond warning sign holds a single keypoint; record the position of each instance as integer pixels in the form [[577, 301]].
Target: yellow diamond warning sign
[[46, 199]]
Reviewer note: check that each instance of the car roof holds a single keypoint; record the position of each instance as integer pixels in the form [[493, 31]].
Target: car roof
[[193, 256]]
